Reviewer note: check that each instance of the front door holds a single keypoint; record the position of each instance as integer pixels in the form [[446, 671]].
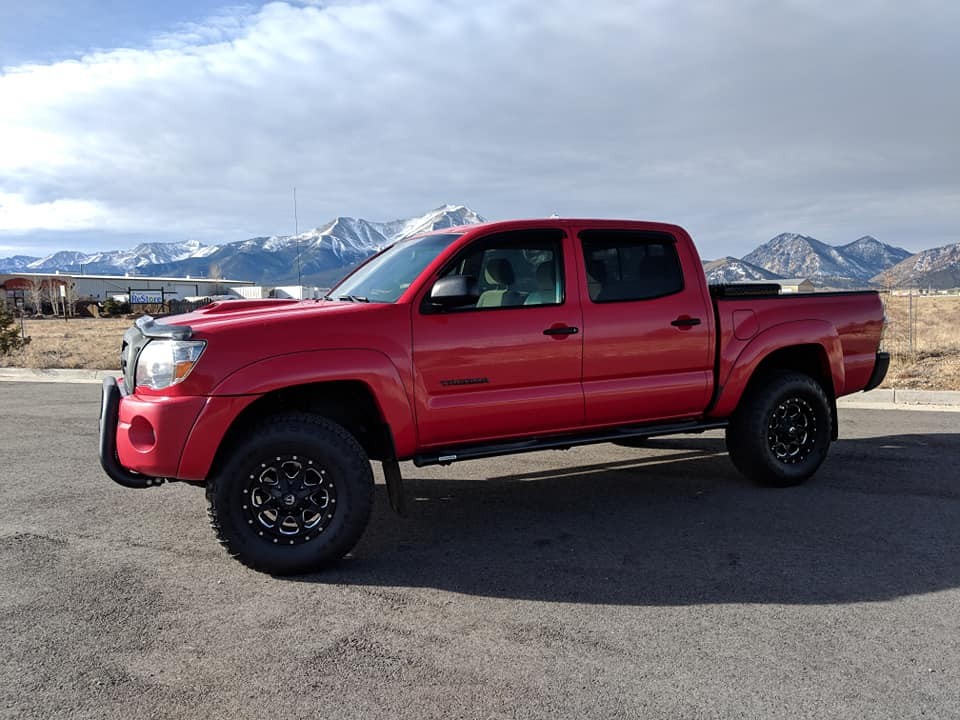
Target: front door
[[509, 364]]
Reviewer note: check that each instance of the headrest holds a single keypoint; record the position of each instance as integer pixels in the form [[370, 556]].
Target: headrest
[[597, 270], [499, 271]]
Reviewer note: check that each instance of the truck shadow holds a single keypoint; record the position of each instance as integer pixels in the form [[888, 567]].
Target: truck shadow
[[675, 524]]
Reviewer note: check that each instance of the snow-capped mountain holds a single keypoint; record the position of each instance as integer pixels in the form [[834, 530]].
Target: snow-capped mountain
[[731, 270], [794, 255], [443, 217], [873, 254], [327, 252], [938, 268], [324, 253], [111, 261], [17, 263], [850, 265]]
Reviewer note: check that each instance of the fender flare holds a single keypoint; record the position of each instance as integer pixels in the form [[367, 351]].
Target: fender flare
[[370, 367], [795, 333]]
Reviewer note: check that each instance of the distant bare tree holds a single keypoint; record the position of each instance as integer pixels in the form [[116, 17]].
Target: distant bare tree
[[216, 273], [69, 299], [37, 295]]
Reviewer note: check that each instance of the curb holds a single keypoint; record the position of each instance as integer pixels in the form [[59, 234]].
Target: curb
[[946, 398], [930, 399], [54, 375]]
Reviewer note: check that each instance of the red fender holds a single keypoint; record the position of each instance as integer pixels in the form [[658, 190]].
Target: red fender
[[244, 386], [740, 369]]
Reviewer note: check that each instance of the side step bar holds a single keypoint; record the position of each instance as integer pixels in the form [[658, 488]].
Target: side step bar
[[562, 442]]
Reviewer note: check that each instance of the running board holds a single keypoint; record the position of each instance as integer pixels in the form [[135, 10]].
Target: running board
[[562, 442]]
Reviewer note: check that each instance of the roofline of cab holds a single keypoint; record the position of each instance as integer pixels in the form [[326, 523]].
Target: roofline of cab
[[528, 223], [468, 233]]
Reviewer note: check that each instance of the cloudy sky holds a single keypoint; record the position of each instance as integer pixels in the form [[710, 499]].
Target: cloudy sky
[[739, 119]]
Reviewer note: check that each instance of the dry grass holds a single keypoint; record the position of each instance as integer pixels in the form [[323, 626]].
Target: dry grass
[[926, 359], [924, 343], [81, 343]]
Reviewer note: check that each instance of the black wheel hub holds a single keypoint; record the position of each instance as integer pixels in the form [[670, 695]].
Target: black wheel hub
[[792, 431], [289, 499]]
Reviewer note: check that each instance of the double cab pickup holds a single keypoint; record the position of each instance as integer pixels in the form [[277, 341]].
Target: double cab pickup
[[467, 343]]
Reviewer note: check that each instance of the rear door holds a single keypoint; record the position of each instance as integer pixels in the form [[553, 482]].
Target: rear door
[[646, 353], [509, 364]]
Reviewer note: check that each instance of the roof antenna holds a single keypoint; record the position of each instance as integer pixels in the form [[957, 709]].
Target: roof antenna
[[296, 234]]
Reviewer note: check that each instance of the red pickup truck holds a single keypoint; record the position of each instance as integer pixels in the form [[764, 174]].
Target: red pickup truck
[[467, 343]]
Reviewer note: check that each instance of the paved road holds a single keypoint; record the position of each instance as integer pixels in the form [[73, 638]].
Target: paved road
[[602, 582]]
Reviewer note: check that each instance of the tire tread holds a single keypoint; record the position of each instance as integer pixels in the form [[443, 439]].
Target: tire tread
[[745, 436], [278, 428]]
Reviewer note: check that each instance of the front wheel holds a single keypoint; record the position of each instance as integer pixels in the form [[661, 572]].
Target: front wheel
[[780, 433], [294, 496]]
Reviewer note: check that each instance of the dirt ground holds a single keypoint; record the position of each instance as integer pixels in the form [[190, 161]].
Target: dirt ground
[[77, 343], [923, 338], [922, 335]]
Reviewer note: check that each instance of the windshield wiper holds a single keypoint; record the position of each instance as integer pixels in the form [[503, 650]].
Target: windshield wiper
[[353, 298]]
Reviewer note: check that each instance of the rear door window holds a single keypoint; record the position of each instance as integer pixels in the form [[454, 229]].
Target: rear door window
[[625, 265]]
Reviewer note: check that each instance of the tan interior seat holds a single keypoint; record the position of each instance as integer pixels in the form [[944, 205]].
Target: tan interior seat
[[547, 292], [499, 272]]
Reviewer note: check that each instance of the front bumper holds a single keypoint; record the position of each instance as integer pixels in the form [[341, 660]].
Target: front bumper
[[879, 371], [141, 439]]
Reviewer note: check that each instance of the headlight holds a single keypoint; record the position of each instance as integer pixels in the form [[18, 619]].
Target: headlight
[[163, 363]]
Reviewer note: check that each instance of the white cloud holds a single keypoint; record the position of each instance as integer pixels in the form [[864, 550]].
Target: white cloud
[[738, 119], [16, 214]]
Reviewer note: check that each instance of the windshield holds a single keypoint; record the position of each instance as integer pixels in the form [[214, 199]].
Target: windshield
[[387, 275]]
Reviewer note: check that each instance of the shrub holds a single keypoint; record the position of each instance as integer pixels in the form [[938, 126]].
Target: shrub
[[10, 338], [112, 308]]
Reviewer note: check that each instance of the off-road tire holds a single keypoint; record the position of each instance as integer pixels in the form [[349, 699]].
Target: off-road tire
[[331, 495], [780, 432]]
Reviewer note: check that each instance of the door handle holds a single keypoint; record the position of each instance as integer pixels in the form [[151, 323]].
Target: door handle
[[685, 322], [566, 330]]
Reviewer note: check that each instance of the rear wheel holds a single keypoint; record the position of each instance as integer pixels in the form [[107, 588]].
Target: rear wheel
[[780, 433], [294, 496]]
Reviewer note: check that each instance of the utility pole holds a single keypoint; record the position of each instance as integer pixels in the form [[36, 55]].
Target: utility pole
[[296, 232]]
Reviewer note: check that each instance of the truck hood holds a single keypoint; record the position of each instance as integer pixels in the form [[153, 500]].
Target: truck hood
[[240, 333], [231, 315]]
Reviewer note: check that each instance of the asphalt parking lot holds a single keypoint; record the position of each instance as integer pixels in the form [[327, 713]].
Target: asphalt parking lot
[[602, 582]]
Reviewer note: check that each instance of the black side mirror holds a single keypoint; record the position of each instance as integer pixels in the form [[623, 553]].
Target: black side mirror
[[454, 291]]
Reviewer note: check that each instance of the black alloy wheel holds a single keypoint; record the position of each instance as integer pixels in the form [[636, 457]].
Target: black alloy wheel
[[290, 500], [293, 496], [780, 432], [792, 430]]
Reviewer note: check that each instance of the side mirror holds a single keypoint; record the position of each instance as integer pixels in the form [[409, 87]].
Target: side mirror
[[454, 291]]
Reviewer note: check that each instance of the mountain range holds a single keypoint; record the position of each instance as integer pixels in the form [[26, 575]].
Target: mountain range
[[863, 263], [327, 252]]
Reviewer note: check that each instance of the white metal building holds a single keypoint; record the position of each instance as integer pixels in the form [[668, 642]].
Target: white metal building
[[26, 288]]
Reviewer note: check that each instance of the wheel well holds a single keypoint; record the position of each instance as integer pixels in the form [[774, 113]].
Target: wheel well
[[810, 360], [349, 403]]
